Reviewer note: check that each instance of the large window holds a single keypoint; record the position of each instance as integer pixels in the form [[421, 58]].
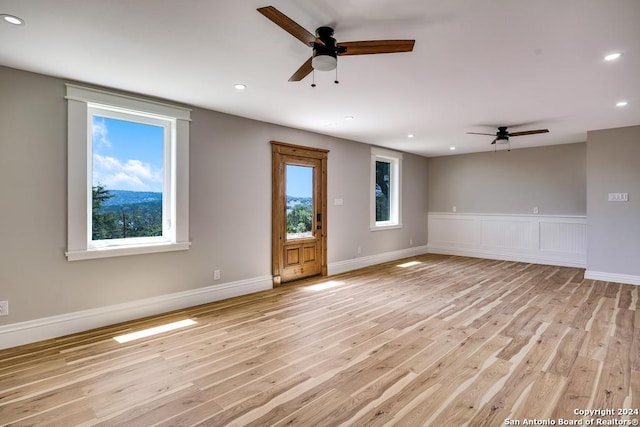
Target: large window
[[128, 175], [386, 189]]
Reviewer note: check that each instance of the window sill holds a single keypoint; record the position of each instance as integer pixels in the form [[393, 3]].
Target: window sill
[[385, 227], [108, 252]]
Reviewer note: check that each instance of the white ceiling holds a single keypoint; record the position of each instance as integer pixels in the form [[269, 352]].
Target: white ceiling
[[476, 64]]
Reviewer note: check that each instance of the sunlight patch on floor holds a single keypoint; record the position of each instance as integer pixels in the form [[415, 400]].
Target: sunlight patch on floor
[[325, 285], [409, 264], [155, 330]]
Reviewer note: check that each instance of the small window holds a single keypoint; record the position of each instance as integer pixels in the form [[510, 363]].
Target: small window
[[128, 175], [386, 189]]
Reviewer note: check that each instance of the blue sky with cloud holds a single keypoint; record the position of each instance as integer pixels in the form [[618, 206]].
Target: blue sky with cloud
[[299, 181], [127, 155]]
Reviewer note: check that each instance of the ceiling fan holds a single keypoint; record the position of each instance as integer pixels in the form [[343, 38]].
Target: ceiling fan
[[502, 136], [325, 48]]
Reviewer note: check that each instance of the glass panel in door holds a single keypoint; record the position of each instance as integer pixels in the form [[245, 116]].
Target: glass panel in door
[[299, 203]]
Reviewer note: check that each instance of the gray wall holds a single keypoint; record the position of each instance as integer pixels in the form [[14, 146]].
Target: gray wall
[[230, 207], [613, 166], [552, 178]]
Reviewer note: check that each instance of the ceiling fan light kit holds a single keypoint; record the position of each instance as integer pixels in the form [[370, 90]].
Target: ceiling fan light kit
[[325, 48], [324, 62]]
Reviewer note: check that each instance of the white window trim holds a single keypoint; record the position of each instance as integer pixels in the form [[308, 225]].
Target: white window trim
[[395, 158], [80, 100]]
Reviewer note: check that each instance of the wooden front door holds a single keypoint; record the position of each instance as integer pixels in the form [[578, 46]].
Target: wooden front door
[[299, 212]]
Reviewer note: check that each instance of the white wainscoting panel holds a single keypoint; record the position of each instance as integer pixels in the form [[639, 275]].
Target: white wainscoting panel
[[541, 239], [563, 236], [508, 233]]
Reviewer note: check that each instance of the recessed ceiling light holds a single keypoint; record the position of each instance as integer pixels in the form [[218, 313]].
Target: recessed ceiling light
[[612, 56], [348, 117], [240, 86], [452, 148], [410, 135], [621, 104], [12, 19]]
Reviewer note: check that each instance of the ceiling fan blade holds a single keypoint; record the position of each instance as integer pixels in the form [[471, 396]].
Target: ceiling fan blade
[[287, 24], [494, 141], [302, 72], [528, 132], [376, 46], [477, 133]]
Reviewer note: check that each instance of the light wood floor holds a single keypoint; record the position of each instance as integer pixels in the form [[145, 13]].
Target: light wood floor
[[449, 341]]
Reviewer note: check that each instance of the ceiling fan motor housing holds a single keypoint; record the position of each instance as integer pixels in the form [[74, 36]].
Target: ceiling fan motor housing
[[502, 137], [325, 55]]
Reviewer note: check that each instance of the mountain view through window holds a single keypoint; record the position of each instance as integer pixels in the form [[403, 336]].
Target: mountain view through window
[[127, 181]]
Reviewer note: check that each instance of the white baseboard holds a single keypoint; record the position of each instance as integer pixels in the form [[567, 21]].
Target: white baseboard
[[612, 277], [504, 256], [16, 334], [356, 263]]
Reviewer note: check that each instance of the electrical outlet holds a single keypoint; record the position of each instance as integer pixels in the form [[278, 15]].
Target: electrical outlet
[[535, 210], [216, 274], [359, 250], [4, 308], [410, 242], [455, 209]]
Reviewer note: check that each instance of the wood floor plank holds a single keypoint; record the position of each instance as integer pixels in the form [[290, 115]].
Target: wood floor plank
[[436, 375], [73, 413], [626, 297], [254, 401], [635, 344], [587, 308], [524, 374], [635, 389], [162, 408], [614, 387], [447, 341], [453, 382], [461, 409], [600, 331], [338, 406], [580, 389], [42, 402], [542, 397], [567, 352]]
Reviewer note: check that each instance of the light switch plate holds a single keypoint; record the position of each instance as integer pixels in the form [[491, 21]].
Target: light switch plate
[[618, 197]]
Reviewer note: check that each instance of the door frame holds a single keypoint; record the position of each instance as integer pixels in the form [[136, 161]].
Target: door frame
[[280, 150]]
